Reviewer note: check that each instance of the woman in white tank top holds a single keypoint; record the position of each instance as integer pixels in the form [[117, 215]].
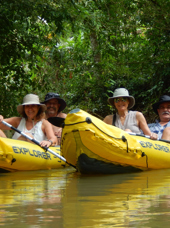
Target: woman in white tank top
[[32, 122], [131, 121]]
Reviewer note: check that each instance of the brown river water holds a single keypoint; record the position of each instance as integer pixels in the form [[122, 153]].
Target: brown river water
[[63, 198]]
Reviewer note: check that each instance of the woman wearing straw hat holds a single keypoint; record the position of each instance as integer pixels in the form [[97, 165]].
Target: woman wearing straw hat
[[32, 122], [131, 121]]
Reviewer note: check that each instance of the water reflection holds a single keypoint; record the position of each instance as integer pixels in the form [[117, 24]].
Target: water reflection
[[63, 198], [130, 200], [29, 198]]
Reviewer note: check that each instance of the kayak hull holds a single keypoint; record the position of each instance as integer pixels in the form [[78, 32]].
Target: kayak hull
[[87, 165], [96, 147], [16, 155]]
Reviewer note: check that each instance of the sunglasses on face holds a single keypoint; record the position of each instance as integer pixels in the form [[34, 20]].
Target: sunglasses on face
[[123, 99]]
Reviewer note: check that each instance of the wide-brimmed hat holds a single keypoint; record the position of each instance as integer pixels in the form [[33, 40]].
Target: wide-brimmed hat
[[122, 92], [162, 99], [50, 96], [30, 99]]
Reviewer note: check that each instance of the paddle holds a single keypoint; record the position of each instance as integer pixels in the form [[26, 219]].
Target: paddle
[[36, 142], [56, 121], [147, 136]]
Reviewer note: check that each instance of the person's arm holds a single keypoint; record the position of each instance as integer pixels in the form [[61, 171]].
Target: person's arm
[[62, 115], [143, 126], [57, 133], [48, 130], [2, 134], [14, 121], [108, 119], [58, 130]]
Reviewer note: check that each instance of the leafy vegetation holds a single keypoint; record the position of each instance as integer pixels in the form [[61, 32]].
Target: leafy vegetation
[[84, 50]]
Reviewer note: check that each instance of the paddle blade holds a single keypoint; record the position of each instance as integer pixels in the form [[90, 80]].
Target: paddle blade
[[56, 121]]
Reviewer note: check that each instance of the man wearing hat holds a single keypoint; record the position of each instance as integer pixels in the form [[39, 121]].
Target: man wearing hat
[[55, 105], [162, 109]]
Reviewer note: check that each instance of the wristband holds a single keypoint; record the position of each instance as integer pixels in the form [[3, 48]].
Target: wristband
[[51, 142]]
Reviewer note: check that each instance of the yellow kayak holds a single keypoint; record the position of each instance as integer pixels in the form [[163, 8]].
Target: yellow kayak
[[96, 147], [16, 155]]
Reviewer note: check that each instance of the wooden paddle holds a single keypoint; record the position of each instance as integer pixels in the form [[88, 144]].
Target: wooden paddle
[[147, 136], [36, 142], [56, 121]]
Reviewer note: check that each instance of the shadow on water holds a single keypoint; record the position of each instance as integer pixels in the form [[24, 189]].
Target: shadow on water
[[125, 183]]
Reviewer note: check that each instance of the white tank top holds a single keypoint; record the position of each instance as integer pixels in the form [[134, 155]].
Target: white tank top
[[130, 122], [36, 131]]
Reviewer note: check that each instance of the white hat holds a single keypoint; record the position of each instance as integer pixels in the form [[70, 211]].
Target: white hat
[[122, 92], [30, 99]]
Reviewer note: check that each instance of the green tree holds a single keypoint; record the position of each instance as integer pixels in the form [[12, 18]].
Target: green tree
[[26, 40], [84, 50], [116, 44]]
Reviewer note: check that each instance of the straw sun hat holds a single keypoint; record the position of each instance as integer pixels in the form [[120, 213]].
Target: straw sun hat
[[122, 92], [30, 99]]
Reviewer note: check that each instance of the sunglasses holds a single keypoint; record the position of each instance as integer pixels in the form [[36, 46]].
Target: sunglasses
[[123, 99]]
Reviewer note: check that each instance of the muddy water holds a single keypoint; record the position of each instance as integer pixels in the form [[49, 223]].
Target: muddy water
[[63, 198]]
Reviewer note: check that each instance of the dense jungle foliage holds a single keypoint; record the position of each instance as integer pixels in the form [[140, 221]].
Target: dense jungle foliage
[[83, 50]]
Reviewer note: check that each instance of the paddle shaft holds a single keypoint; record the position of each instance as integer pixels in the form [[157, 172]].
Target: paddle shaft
[[147, 136], [35, 141]]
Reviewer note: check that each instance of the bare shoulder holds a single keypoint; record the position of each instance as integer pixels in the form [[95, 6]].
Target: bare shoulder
[[139, 115], [62, 115], [45, 122], [108, 119]]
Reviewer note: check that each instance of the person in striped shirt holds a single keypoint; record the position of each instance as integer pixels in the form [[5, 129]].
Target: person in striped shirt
[[162, 126]]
